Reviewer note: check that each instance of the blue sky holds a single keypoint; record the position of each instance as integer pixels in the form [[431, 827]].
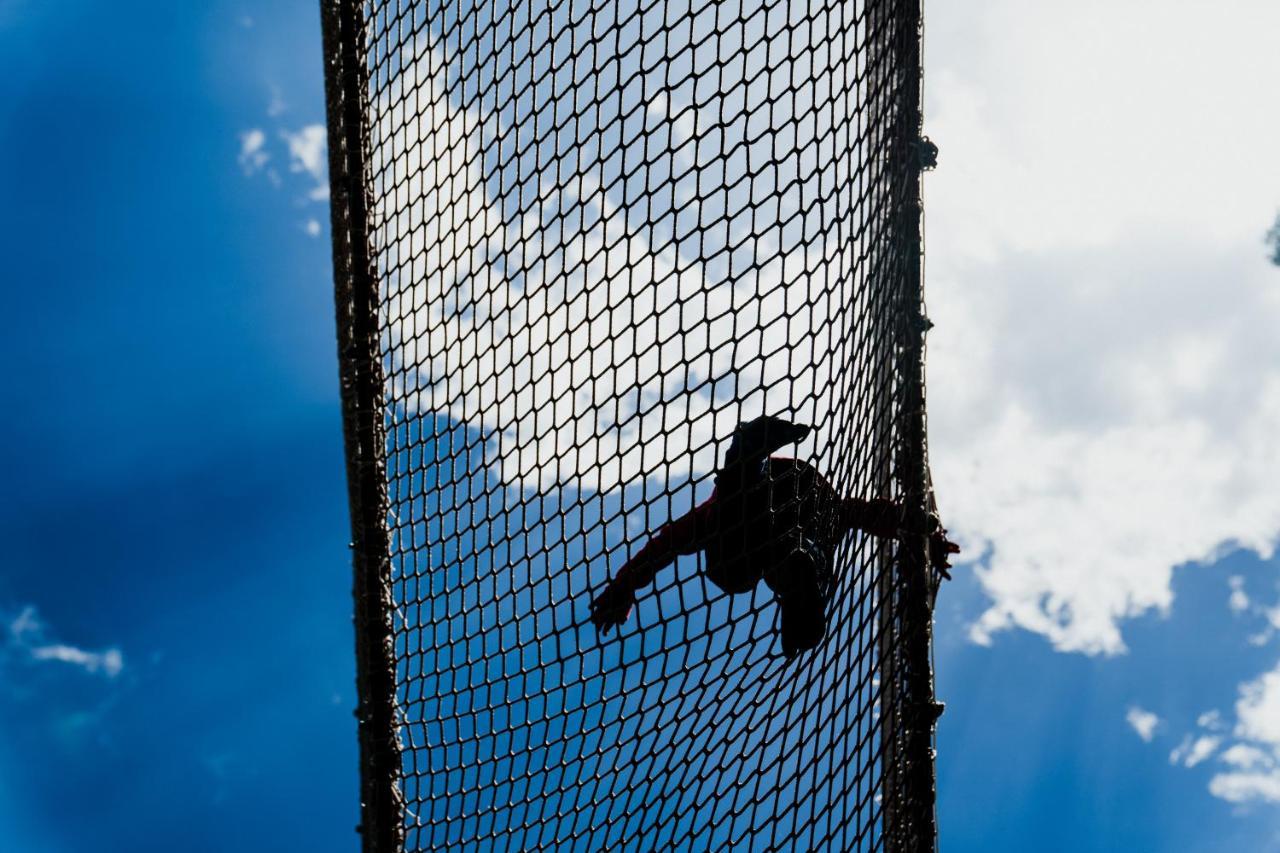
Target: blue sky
[[174, 483], [177, 667]]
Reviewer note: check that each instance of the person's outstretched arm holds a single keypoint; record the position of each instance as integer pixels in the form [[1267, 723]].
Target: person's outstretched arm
[[877, 516], [685, 535], [889, 519]]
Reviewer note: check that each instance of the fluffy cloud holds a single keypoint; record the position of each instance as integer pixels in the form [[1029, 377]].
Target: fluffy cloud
[[1243, 786], [28, 640], [307, 148], [1253, 759], [1238, 601], [1247, 748], [1143, 722], [109, 662], [1104, 376], [1258, 710], [1242, 604], [1194, 750], [252, 154]]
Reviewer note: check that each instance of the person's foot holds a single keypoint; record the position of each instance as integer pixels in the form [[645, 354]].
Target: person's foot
[[801, 610]]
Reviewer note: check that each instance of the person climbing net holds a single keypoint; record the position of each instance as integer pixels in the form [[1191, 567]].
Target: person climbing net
[[774, 519]]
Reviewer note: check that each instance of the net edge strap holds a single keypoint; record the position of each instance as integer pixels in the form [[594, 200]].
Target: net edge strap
[[360, 366]]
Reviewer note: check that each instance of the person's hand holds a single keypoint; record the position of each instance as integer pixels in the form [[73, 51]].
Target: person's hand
[[940, 550], [612, 606]]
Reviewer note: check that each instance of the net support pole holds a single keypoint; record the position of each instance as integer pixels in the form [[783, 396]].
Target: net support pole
[[918, 706], [360, 370]]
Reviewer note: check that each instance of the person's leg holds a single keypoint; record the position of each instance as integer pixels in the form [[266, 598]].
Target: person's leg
[[800, 578]]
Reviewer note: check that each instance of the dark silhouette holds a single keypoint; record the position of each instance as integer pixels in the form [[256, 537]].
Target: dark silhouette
[[1273, 241], [769, 518]]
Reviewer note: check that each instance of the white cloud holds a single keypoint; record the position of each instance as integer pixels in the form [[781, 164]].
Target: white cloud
[[24, 624], [306, 147], [108, 662], [1269, 615], [307, 150], [1211, 720], [1258, 709], [1238, 601], [1104, 375], [1243, 787], [312, 227], [1143, 722], [252, 154], [1193, 751], [1252, 753], [1245, 757], [1251, 742], [1272, 617], [27, 637]]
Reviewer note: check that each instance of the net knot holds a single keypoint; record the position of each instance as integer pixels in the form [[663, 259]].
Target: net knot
[[924, 154]]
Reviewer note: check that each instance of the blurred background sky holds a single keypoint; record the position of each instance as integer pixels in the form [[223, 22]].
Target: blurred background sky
[[176, 668]]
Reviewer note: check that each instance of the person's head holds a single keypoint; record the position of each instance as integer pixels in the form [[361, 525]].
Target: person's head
[[754, 440]]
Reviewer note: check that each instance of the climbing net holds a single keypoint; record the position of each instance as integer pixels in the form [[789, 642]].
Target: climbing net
[[575, 245]]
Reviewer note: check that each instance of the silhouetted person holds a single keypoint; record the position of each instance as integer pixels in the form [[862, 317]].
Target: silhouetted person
[[769, 518]]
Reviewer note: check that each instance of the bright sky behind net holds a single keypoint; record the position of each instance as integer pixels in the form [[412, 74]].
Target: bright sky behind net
[[598, 326]]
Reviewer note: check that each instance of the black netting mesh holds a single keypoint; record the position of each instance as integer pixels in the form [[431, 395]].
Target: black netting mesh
[[576, 245]]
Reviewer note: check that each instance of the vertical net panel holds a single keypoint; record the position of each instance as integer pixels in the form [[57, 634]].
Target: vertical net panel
[[598, 237]]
